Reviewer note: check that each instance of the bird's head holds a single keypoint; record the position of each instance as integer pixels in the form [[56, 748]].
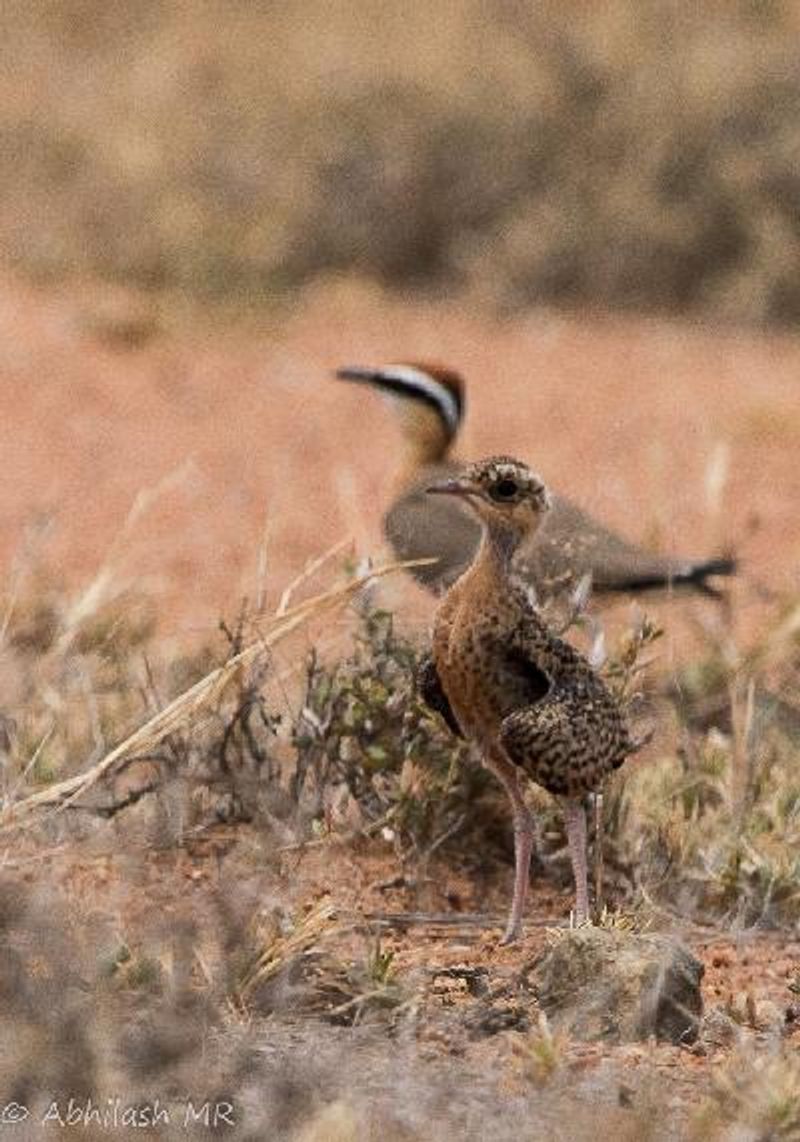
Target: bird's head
[[428, 400], [510, 499]]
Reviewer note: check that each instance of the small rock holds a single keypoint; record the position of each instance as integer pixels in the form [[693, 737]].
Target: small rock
[[486, 1019], [499, 1008], [619, 986], [770, 1017], [718, 1029], [758, 1014]]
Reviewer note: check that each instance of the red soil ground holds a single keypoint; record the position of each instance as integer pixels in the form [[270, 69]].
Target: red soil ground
[[147, 898], [632, 418], [252, 443]]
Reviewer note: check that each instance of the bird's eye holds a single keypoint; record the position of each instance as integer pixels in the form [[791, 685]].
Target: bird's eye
[[504, 490]]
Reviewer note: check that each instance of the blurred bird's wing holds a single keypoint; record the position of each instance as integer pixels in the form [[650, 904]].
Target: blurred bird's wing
[[571, 544], [418, 526]]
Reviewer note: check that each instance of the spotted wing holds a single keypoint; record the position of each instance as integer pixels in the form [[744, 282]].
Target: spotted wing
[[565, 743]]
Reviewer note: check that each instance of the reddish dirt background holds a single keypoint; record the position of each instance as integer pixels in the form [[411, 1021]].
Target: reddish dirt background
[[629, 417]]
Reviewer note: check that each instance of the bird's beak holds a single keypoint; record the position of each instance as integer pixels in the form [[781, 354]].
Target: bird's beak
[[452, 488]]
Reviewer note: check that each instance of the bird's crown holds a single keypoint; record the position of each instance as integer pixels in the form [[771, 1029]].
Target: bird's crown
[[505, 480]]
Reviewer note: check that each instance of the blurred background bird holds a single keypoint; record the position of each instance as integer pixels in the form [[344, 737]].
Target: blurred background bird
[[428, 401]]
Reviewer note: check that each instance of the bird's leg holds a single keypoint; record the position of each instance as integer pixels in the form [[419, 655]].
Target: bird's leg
[[523, 847], [598, 855], [575, 815]]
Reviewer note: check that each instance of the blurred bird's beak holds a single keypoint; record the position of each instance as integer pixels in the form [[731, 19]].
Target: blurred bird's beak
[[360, 373], [452, 488]]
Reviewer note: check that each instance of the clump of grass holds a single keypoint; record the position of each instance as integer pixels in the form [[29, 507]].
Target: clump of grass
[[754, 1092], [81, 689], [684, 831], [715, 825], [275, 949], [364, 727], [138, 972], [620, 920], [228, 696], [540, 1053], [292, 964]]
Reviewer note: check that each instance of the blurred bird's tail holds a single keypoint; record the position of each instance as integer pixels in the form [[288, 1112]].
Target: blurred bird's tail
[[701, 572]]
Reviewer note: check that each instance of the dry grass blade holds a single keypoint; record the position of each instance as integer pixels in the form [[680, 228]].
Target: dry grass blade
[[283, 949], [97, 591], [189, 704], [307, 572]]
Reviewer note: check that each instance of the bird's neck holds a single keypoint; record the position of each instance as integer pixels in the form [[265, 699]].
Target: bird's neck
[[425, 442], [496, 552]]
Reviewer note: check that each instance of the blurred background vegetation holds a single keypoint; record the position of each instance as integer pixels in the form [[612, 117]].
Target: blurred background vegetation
[[635, 153]]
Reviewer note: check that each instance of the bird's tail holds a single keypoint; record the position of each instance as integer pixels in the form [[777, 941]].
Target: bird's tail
[[698, 573]]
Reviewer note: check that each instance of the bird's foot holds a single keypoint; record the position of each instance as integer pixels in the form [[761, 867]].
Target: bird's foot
[[511, 935], [579, 919]]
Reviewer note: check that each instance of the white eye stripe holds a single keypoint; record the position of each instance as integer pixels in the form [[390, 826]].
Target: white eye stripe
[[414, 379]]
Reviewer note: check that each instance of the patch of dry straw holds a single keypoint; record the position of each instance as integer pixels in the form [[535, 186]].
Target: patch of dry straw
[[190, 705]]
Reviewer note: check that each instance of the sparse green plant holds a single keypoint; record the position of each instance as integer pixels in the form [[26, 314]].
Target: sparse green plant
[[379, 964], [540, 1052], [133, 969], [113, 961], [143, 973], [623, 669], [363, 725]]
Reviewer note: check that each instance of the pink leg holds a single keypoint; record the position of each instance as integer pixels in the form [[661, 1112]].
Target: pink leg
[[576, 838], [523, 849]]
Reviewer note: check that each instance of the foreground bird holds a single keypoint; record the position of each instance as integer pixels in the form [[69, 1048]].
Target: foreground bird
[[499, 677], [429, 402]]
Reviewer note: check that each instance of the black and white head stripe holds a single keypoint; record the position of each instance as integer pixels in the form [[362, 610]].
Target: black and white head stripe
[[416, 384]]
